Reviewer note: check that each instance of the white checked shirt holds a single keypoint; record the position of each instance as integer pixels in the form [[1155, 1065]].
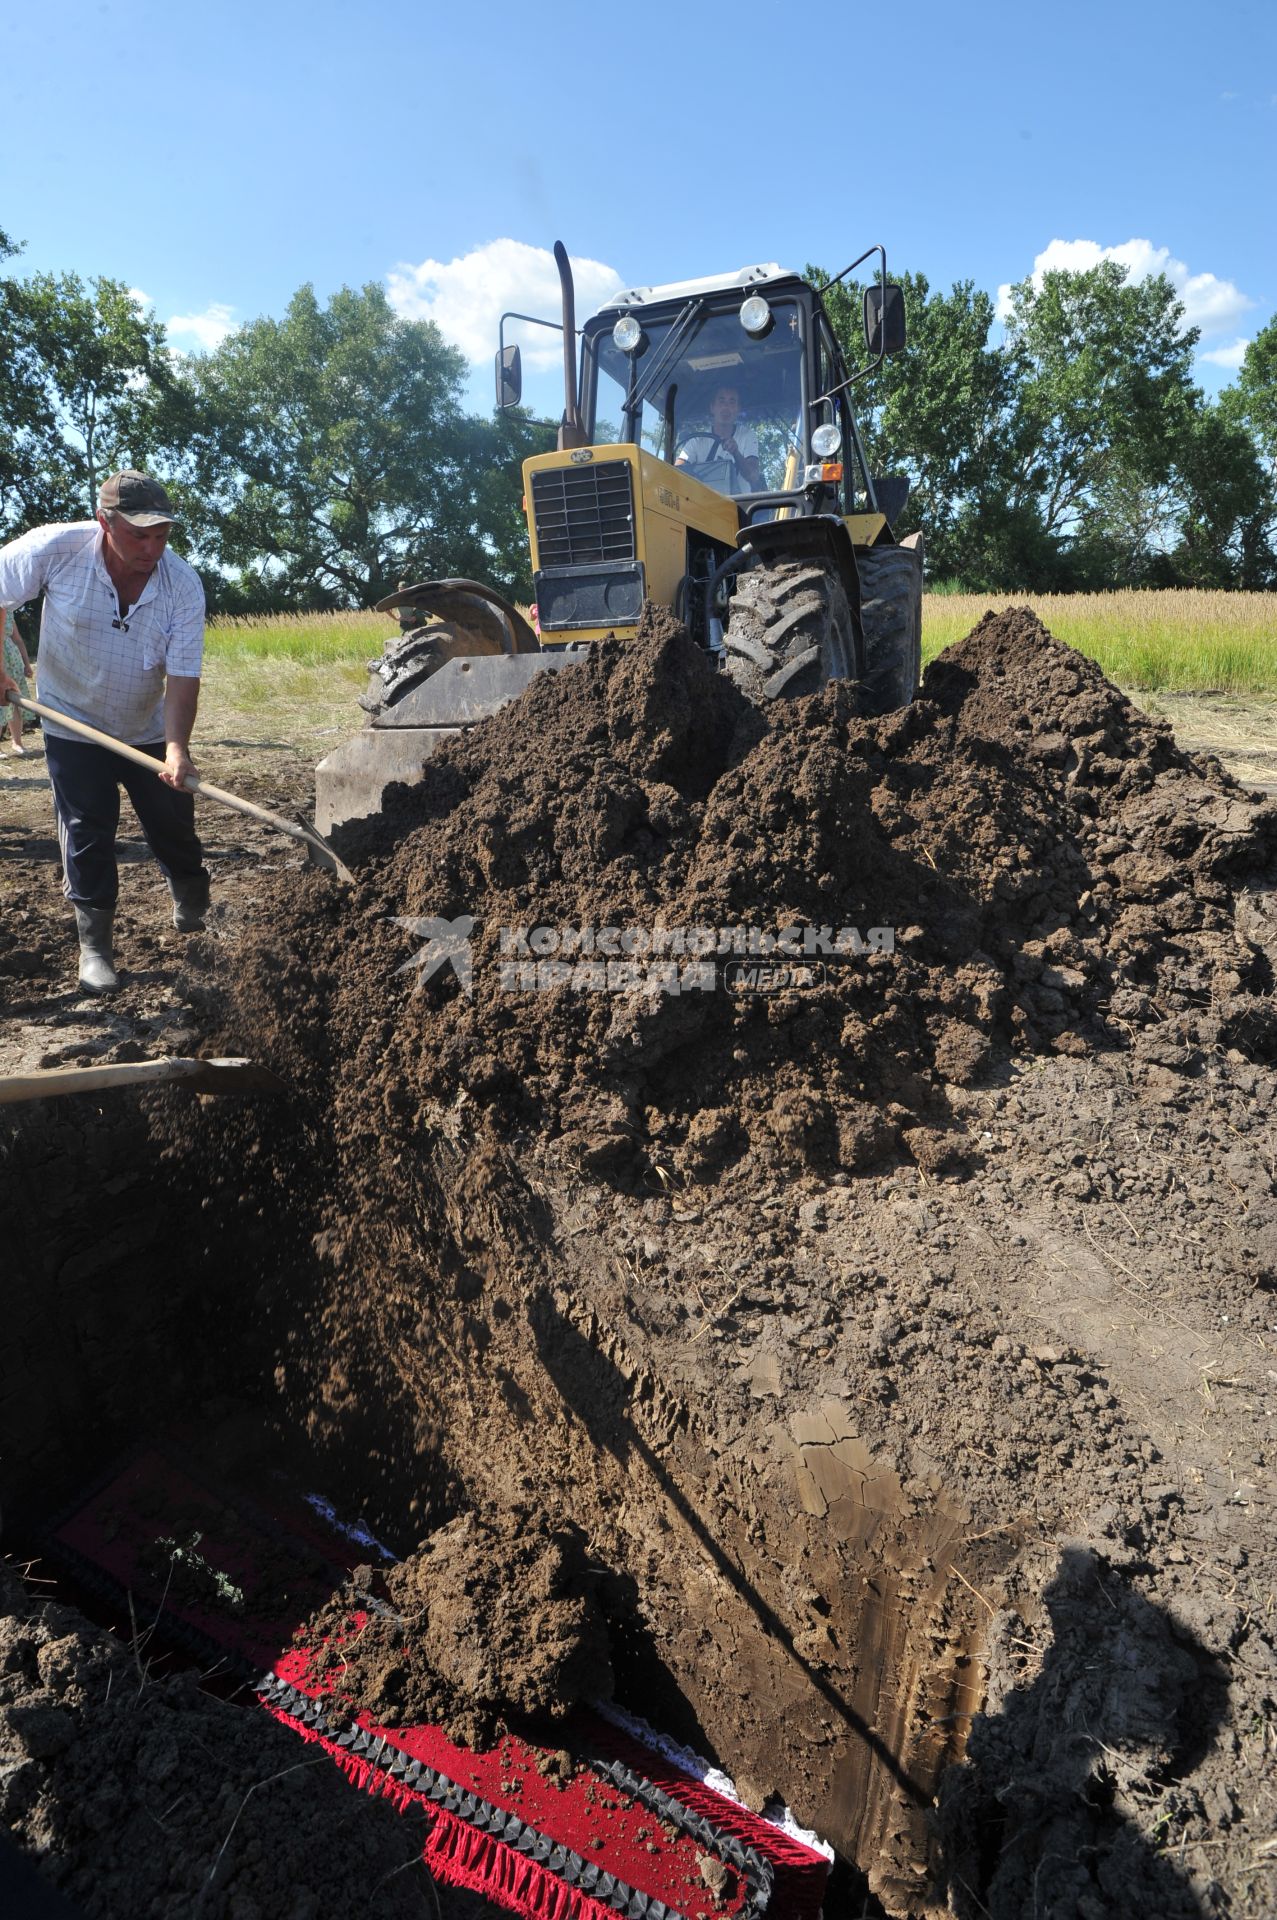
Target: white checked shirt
[[92, 664], [707, 446]]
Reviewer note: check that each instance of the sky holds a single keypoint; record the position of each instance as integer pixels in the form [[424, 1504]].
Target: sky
[[217, 158]]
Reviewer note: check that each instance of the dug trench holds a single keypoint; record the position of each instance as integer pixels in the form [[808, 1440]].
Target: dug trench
[[863, 1373]]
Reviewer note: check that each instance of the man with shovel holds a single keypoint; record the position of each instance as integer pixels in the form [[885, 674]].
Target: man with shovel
[[121, 647]]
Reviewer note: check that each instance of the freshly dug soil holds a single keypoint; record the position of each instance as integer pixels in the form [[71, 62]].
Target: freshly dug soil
[[1065, 888], [899, 1347], [489, 1621], [1054, 872], [144, 1795]]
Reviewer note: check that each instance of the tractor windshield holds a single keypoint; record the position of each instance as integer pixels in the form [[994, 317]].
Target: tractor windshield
[[726, 406]]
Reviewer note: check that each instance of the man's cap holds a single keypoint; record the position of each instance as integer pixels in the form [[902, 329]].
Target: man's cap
[[142, 501]]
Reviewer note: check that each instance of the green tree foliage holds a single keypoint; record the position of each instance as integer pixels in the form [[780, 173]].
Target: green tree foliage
[[1103, 389], [329, 458], [1250, 408], [84, 375], [1254, 399], [1076, 452], [34, 485], [1224, 501]]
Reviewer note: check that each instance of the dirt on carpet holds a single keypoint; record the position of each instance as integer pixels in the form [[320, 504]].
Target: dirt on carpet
[[490, 1621]]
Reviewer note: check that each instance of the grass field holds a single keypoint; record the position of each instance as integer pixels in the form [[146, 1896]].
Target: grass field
[[1156, 642], [1170, 642], [302, 639], [297, 676]]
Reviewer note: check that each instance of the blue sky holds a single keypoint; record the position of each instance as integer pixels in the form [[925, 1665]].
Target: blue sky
[[217, 158]]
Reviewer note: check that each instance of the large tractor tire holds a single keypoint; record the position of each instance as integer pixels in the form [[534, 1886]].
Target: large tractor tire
[[789, 630], [891, 616]]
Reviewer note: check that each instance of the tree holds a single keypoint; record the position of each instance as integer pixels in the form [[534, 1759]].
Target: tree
[[34, 484], [1072, 454], [1225, 502], [1251, 405], [329, 458], [89, 367], [1102, 370], [1254, 398]]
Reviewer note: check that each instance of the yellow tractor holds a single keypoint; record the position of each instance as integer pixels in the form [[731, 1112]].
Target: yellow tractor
[[708, 460]]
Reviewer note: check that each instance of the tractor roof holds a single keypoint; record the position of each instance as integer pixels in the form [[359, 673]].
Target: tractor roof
[[684, 289]]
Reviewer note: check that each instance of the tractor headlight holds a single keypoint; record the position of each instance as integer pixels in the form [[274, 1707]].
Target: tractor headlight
[[756, 316], [627, 334], [826, 440]]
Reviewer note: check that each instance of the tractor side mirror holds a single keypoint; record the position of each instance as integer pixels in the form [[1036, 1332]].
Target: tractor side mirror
[[509, 378], [884, 319]]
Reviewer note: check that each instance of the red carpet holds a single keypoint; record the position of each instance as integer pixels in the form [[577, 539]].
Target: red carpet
[[625, 1833]]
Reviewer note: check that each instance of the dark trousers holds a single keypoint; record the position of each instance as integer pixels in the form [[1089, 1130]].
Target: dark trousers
[[86, 783]]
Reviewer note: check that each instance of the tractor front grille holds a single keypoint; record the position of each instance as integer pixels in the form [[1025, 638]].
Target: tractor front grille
[[584, 515]]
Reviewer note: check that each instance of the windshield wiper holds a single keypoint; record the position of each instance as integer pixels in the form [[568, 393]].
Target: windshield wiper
[[673, 342]]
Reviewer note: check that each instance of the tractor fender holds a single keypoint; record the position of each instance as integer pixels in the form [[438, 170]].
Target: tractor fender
[[488, 621]]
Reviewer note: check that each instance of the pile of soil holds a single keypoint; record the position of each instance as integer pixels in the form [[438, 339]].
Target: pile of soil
[[142, 1794], [939, 1507], [1055, 875], [492, 1619], [1065, 886]]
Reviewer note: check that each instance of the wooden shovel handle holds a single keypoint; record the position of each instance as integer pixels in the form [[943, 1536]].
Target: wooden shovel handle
[[193, 784], [203, 1076], [92, 733]]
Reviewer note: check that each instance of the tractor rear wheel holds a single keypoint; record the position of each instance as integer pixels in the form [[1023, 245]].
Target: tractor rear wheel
[[790, 628], [891, 616]]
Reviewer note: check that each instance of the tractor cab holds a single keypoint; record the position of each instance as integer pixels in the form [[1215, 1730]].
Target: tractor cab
[[701, 414], [717, 383]]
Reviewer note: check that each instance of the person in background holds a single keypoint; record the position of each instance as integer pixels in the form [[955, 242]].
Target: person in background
[[121, 648], [17, 664]]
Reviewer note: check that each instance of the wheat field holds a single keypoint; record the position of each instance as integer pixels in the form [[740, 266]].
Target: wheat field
[[1154, 641]]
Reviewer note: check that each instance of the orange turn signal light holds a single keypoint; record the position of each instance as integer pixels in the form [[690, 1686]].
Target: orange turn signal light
[[831, 470]]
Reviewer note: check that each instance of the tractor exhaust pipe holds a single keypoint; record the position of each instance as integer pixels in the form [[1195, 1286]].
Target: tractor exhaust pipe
[[570, 431]]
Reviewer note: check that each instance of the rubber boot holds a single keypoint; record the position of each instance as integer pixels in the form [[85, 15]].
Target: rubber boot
[[190, 903], [97, 961]]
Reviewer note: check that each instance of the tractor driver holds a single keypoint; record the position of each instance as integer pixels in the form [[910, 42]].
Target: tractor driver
[[730, 449]]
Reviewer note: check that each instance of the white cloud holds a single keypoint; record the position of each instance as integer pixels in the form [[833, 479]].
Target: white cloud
[[466, 296], [207, 329], [1212, 304], [1230, 357], [139, 298]]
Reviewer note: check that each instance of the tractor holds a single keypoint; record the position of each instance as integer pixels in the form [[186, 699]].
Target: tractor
[[708, 460]]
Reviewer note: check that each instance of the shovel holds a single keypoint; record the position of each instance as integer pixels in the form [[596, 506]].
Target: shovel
[[317, 846], [201, 1076]]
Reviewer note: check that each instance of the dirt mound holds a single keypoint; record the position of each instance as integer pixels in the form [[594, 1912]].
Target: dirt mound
[[862, 1463], [626, 911], [491, 1619], [143, 1795]]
